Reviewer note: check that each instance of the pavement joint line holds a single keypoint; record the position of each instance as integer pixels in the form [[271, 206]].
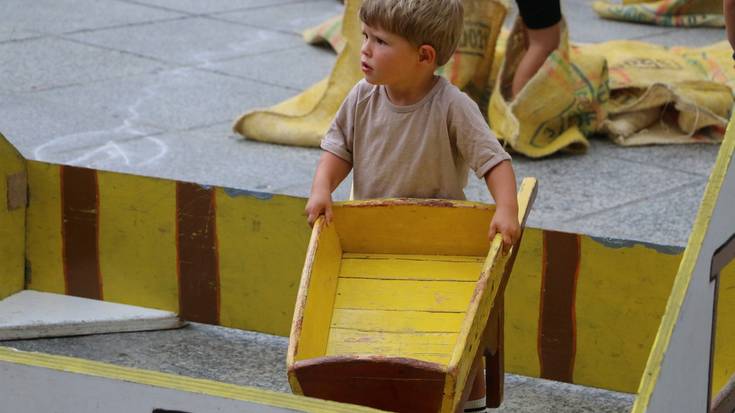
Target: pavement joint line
[[251, 8], [123, 26], [156, 7], [263, 53], [241, 77], [36, 37], [111, 49], [666, 168], [653, 196], [253, 26]]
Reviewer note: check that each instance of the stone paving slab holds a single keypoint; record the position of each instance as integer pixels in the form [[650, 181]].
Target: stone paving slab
[[199, 7], [49, 63], [67, 16], [191, 40], [277, 68], [33, 314], [289, 18], [43, 129]]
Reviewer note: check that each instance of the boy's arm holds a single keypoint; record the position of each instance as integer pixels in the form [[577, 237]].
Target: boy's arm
[[329, 173], [501, 182]]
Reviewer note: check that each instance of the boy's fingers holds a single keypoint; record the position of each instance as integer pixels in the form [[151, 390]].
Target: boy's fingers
[[507, 243], [328, 214]]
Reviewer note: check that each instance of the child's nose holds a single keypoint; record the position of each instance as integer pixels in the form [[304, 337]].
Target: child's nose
[[365, 49]]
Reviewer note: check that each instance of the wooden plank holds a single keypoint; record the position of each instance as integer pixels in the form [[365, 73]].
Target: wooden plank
[[13, 201], [314, 304], [397, 321], [435, 347], [198, 258], [80, 230], [411, 267], [447, 296], [414, 227], [138, 240]]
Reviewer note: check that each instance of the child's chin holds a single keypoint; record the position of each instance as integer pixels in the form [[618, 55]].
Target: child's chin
[[372, 80]]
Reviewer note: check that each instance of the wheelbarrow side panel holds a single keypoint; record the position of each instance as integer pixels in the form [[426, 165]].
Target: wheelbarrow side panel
[[388, 383], [315, 301]]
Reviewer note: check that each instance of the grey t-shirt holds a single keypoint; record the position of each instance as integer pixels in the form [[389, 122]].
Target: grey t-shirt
[[422, 150]]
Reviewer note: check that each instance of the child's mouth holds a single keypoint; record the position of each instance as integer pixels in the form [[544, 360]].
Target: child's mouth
[[365, 67]]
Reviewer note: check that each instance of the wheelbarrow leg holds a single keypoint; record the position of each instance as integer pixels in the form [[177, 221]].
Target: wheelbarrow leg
[[494, 368]]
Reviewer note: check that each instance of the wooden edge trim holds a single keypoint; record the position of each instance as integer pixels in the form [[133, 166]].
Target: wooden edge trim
[[212, 388], [724, 255], [409, 362], [301, 297], [445, 203], [725, 400]]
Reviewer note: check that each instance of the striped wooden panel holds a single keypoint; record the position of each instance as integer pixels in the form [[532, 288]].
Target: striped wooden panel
[[198, 259], [80, 232]]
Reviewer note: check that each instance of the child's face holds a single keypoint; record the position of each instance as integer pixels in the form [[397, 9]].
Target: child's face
[[386, 58]]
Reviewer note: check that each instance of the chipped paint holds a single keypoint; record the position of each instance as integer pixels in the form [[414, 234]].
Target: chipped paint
[[621, 243], [234, 192]]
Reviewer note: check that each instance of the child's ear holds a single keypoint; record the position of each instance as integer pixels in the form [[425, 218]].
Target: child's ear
[[427, 54]]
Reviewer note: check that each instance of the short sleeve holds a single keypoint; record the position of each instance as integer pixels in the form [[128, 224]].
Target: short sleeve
[[477, 144], [340, 136]]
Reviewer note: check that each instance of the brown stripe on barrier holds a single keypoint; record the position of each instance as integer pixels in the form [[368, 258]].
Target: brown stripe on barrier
[[557, 322], [722, 256], [197, 254], [79, 229]]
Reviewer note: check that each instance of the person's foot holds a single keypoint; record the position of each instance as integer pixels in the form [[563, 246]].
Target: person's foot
[[475, 406]]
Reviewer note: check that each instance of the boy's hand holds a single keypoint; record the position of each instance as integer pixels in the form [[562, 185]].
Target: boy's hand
[[506, 223], [320, 202]]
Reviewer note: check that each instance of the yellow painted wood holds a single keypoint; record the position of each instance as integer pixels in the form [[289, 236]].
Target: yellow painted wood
[[12, 224], [434, 347], [412, 267], [621, 296], [44, 249], [137, 240], [452, 296], [314, 306], [421, 229], [724, 367], [522, 304], [262, 242], [175, 382], [685, 272], [397, 321], [478, 312]]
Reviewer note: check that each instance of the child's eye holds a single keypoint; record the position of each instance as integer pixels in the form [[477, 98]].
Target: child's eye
[[380, 41]]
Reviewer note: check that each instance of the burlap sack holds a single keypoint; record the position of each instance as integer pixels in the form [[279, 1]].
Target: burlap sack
[[330, 32], [659, 96], [684, 13], [561, 104], [304, 119]]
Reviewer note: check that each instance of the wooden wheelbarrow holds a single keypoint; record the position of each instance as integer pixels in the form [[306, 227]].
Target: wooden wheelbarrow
[[395, 302]]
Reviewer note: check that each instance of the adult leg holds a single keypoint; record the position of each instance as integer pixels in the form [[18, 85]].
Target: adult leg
[[542, 19]]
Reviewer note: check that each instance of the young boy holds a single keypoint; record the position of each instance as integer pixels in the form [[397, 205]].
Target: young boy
[[405, 132]]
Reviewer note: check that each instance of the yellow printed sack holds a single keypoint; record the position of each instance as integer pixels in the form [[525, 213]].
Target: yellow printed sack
[[685, 13], [658, 96], [304, 119], [329, 31], [557, 108]]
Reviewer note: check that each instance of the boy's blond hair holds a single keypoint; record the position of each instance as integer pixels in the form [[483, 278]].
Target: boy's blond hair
[[437, 23]]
